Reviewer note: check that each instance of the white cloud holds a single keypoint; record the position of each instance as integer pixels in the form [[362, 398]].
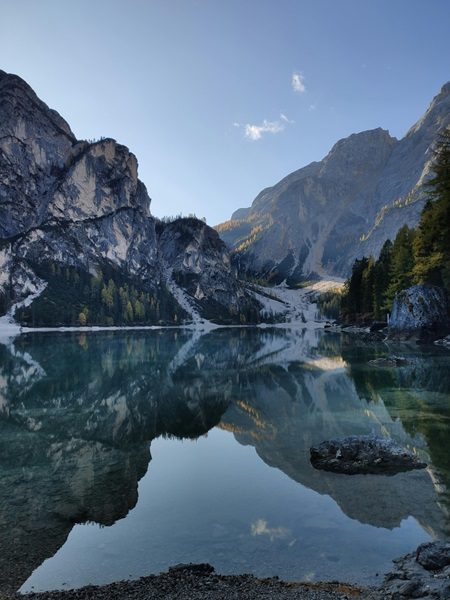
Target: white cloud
[[312, 107], [298, 83], [255, 132], [236, 124]]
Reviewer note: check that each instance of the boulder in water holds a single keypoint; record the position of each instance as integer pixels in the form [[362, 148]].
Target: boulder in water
[[361, 454]]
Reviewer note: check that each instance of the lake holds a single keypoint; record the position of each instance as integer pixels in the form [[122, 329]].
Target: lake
[[123, 453]]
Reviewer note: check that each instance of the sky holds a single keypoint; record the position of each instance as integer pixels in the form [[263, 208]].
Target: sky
[[219, 99]]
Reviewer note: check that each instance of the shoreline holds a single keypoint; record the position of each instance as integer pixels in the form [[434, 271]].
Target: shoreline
[[293, 304], [201, 582]]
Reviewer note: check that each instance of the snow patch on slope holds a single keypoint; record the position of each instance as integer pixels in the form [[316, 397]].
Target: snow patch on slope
[[8, 325], [297, 306]]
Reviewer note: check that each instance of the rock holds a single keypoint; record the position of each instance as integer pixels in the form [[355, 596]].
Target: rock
[[197, 568], [445, 342], [81, 205], [364, 334], [363, 455], [420, 311], [378, 326], [389, 361], [328, 213], [424, 573], [434, 556]]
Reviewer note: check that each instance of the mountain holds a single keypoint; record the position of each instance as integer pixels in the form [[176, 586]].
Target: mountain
[[77, 235], [320, 218]]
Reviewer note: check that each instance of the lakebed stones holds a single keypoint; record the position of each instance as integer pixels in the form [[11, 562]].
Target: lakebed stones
[[424, 573], [363, 455]]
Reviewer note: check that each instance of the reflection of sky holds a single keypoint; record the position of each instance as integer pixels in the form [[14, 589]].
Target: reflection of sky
[[261, 527], [195, 505]]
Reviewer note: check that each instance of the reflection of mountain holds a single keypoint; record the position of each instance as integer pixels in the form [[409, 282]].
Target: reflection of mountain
[[76, 417], [77, 413], [283, 412]]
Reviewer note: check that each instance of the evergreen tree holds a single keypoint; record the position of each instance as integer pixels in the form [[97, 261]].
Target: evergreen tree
[[382, 280], [432, 243], [402, 263]]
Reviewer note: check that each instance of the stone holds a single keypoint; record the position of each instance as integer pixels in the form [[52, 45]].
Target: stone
[[424, 573], [389, 361], [419, 311], [434, 556], [363, 455], [444, 342]]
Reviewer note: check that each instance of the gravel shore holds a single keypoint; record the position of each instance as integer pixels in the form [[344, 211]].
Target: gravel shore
[[200, 582]]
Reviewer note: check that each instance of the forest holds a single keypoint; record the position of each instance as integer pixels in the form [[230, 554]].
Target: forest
[[78, 298]]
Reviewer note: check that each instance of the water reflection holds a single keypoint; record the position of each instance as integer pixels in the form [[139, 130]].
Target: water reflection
[[77, 413]]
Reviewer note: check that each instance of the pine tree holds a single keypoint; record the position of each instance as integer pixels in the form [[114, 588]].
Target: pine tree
[[382, 280], [432, 243], [402, 263]]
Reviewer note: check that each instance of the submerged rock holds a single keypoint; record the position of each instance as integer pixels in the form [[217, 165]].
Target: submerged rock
[[421, 311], [363, 455], [388, 361], [424, 573], [445, 342]]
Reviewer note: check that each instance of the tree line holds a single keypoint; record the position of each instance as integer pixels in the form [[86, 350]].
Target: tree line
[[76, 297]]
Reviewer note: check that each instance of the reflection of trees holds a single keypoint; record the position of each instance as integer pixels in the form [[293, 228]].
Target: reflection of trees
[[416, 393]]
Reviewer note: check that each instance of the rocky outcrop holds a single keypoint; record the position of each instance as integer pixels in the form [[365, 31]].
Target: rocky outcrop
[[421, 312], [424, 573], [80, 205], [323, 216], [362, 455]]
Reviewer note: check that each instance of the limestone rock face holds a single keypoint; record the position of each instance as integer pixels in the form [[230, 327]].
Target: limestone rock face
[[81, 204], [419, 308], [318, 219]]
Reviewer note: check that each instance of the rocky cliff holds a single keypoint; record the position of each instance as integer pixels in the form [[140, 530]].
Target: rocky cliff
[[74, 216], [320, 218]]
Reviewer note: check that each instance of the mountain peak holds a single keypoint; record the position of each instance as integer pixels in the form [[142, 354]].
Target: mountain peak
[[18, 101], [445, 90], [323, 216]]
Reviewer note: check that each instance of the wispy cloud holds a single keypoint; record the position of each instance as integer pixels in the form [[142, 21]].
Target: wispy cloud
[[298, 83], [261, 527], [312, 107], [255, 132], [284, 118]]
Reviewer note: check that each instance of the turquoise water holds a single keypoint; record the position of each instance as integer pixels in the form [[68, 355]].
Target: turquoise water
[[124, 453]]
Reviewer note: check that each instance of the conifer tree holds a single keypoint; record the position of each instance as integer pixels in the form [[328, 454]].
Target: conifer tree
[[432, 243]]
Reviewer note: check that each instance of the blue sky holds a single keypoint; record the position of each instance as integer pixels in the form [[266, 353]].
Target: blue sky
[[219, 99]]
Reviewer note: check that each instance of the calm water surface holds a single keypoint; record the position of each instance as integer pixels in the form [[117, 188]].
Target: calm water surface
[[124, 453]]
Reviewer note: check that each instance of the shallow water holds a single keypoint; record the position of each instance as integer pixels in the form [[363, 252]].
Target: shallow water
[[124, 453]]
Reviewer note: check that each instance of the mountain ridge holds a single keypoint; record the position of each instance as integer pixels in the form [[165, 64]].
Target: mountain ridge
[[318, 219], [79, 206]]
